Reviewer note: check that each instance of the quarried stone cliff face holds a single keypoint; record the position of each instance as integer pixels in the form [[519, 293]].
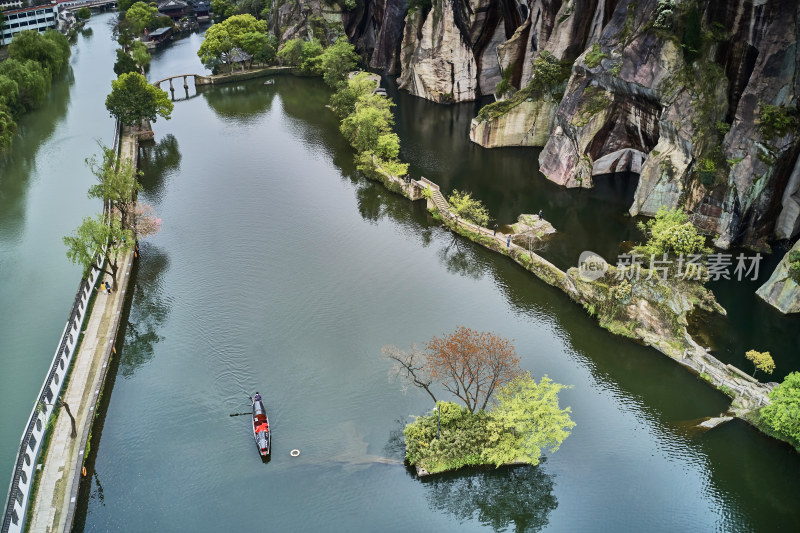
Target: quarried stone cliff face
[[781, 291]]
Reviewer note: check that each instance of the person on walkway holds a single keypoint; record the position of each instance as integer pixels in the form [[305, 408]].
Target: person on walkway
[[495, 230], [102, 287], [508, 242], [540, 214], [108, 287]]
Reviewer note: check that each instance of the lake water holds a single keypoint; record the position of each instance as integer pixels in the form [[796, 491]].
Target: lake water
[[278, 269]]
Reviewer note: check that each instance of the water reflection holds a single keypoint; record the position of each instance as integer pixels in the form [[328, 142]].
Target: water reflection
[[148, 311], [520, 497], [156, 160], [239, 102], [459, 258]]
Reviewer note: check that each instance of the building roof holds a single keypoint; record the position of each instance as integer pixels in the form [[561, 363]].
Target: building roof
[[49, 7], [159, 32], [172, 4], [237, 55]]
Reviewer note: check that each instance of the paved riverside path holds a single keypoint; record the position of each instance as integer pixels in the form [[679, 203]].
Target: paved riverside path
[[54, 502]]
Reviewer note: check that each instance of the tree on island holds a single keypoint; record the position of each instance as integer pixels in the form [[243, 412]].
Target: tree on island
[[469, 364], [670, 233], [336, 61], [133, 99], [140, 16], [97, 239], [140, 54]]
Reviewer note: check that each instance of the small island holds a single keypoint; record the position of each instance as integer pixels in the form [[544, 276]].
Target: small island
[[507, 418]]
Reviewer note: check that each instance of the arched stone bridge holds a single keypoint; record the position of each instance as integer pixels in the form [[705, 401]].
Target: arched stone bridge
[[198, 81]]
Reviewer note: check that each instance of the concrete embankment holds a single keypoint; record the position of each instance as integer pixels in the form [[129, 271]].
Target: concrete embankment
[[53, 504]]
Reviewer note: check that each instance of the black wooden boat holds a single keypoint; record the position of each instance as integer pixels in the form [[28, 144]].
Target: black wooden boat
[[261, 427]]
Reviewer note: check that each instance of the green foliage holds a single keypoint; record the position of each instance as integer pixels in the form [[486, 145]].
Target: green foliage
[[124, 5], [469, 208], [222, 9], [707, 171], [290, 54], [234, 32], [50, 49], [83, 13], [117, 183], [776, 121], [140, 54], [364, 127], [671, 233], [8, 128], [90, 239], [794, 266], [125, 63], [722, 128], [311, 57], [462, 438], [664, 14], [250, 7], [344, 100], [337, 60], [140, 16], [133, 99], [526, 419], [692, 35], [32, 81], [761, 361], [783, 413], [505, 84], [548, 76], [595, 56], [595, 100]]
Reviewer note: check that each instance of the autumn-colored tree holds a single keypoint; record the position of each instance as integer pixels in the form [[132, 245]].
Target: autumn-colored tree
[[469, 364]]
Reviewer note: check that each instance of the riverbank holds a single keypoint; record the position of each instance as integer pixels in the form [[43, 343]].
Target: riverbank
[[61, 469]]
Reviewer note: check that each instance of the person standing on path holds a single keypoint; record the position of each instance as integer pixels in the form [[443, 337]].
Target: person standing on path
[[540, 214], [495, 230], [508, 242]]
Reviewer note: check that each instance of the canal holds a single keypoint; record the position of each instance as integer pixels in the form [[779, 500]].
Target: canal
[[279, 269]]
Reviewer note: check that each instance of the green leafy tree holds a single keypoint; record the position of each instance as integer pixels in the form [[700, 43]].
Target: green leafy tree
[[9, 92], [125, 34], [337, 60], [124, 5], [94, 238], [290, 54], [344, 100], [83, 13], [32, 83], [250, 7], [761, 361], [125, 63], [140, 16], [133, 99], [469, 208], [140, 54], [526, 419], [311, 57], [49, 49], [222, 9], [253, 43], [117, 184], [223, 37], [671, 233], [8, 128], [783, 412], [365, 125], [266, 54]]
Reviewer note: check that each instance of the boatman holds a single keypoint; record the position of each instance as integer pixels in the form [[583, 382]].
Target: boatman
[[257, 397]]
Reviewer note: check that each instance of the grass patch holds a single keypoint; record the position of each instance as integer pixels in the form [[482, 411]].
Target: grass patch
[[595, 56]]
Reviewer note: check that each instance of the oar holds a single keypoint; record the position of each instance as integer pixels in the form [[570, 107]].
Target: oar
[[240, 414]]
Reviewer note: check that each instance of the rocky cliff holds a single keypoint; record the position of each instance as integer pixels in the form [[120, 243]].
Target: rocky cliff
[[697, 97], [781, 291]]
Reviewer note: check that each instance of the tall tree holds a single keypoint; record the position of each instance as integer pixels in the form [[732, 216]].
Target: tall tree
[[133, 99], [223, 37], [95, 238], [140, 54], [32, 82], [117, 184], [49, 49], [125, 63], [8, 128]]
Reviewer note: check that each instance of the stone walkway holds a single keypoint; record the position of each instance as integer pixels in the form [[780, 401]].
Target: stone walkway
[[61, 463], [55, 499]]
